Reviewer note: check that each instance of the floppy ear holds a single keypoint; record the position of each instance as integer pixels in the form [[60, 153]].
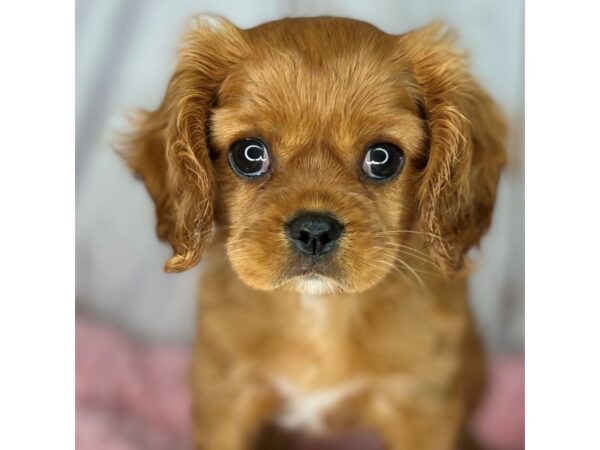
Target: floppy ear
[[168, 148], [457, 188]]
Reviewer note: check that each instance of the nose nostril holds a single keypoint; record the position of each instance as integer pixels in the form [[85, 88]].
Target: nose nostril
[[324, 238], [304, 237]]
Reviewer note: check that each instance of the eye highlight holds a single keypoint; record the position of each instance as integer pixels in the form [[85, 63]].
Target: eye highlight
[[249, 158], [383, 161]]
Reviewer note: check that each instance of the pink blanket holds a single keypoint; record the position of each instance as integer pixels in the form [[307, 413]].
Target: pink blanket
[[133, 396]]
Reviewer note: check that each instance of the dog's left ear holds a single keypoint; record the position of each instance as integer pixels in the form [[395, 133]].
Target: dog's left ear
[[457, 189], [169, 148]]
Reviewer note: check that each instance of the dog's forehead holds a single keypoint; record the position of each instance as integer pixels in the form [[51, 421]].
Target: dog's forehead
[[318, 35], [320, 62], [318, 73], [312, 81]]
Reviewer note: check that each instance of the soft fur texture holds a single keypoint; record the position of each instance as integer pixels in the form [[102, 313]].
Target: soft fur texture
[[382, 337]]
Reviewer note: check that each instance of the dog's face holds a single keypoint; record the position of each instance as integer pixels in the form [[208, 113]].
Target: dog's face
[[322, 147], [315, 155]]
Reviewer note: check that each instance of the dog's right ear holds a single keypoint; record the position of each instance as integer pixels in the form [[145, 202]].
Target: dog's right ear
[[168, 148]]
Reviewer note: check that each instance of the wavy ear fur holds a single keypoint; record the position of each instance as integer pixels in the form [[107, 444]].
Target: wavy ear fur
[[458, 186], [168, 148]]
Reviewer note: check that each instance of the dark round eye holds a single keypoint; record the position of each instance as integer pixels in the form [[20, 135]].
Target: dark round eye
[[383, 161], [249, 158]]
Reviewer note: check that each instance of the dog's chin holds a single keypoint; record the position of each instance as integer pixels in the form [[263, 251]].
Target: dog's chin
[[314, 285]]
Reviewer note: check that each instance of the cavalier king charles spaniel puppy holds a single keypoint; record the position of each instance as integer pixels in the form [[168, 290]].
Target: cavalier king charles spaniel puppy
[[332, 177]]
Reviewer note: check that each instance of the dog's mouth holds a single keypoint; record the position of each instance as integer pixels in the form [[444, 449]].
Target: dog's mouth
[[313, 275]]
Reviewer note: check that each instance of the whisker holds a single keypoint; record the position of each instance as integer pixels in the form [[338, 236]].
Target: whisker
[[424, 260], [419, 279], [395, 269], [413, 253], [424, 233], [399, 245], [397, 258]]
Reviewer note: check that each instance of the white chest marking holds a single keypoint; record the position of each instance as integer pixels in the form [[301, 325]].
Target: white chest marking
[[304, 410]]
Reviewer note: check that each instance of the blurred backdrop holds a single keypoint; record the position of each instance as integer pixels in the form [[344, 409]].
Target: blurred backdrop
[[125, 53]]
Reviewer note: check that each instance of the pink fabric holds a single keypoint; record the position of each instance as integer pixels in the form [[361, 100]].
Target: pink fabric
[[129, 396], [132, 396], [500, 421]]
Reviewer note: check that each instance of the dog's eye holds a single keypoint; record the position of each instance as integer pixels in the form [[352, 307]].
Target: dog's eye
[[249, 158], [383, 161]]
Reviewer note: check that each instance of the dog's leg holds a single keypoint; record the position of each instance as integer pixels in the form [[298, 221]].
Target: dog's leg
[[415, 428], [230, 416]]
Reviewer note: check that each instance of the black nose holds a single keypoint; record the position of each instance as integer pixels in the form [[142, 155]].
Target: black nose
[[313, 233]]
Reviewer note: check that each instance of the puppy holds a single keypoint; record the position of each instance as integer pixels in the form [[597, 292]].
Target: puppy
[[333, 176]]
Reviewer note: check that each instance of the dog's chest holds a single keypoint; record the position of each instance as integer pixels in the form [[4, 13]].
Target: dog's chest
[[302, 409], [305, 398]]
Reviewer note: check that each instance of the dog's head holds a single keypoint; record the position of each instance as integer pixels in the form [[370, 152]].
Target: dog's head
[[322, 147]]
